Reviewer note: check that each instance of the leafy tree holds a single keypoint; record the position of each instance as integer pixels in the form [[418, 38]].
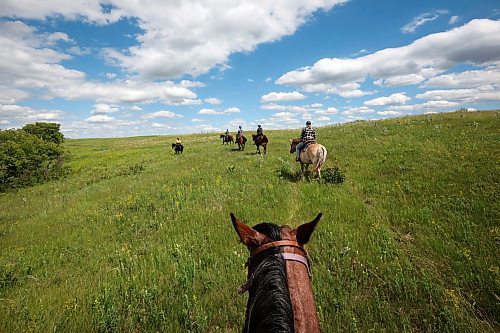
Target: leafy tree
[[45, 131], [26, 159]]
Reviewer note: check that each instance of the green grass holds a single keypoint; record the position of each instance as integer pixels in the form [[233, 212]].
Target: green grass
[[136, 239]]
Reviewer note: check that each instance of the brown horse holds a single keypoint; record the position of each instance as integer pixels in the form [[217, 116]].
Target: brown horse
[[260, 140], [314, 154], [228, 139], [241, 140], [280, 295]]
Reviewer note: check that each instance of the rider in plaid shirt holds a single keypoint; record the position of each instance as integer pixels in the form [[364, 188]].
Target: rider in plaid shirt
[[308, 134]]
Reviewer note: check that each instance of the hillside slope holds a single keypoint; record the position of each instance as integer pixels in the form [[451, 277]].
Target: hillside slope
[[137, 239]]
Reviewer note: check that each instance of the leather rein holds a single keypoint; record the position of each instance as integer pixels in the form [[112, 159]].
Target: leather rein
[[287, 256]]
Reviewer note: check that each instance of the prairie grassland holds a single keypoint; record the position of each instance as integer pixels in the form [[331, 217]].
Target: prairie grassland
[[136, 239]]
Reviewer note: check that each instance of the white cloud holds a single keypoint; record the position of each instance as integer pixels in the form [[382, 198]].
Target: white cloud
[[92, 10], [213, 101], [214, 112], [489, 93], [454, 19], [158, 125], [473, 78], [29, 69], [232, 110], [278, 107], [136, 108], [421, 20], [101, 108], [196, 120], [192, 37], [389, 113], [100, 119], [282, 96], [394, 99], [426, 57], [357, 110], [162, 114], [24, 114]]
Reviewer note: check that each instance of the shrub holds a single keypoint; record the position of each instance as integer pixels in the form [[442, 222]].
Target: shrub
[[45, 131], [332, 175], [26, 159]]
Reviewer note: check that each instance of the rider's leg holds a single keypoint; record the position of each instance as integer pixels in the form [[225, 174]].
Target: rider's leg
[[297, 150]]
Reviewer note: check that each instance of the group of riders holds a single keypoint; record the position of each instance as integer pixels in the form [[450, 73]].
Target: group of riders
[[308, 135]]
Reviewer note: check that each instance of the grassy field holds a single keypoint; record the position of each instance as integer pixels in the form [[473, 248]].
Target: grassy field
[[136, 239]]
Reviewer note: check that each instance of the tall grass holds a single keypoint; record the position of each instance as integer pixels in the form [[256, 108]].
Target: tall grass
[[137, 239]]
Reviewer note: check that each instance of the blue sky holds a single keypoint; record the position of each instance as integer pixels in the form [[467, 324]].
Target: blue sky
[[123, 68]]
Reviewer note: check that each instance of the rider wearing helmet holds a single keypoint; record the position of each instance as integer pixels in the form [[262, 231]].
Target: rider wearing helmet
[[308, 134]]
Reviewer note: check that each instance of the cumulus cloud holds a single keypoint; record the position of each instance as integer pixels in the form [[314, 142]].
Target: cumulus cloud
[[489, 93], [357, 111], [423, 59], [282, 96], [101, 108], [394, 99], [30, 69], [24, 114], [192, 37], [472, 78], [215, 112], [162, 114], [100, 118], [213, 101]]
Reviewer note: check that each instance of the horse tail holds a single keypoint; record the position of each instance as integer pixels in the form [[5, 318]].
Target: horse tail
[[320, 158]]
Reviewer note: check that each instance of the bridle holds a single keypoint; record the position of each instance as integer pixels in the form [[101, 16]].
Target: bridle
[[287, 256]]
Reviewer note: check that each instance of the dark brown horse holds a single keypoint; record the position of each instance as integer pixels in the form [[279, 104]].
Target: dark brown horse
[[228, 139], [280, 297], [260, 140], [241, 140], [178, 148]]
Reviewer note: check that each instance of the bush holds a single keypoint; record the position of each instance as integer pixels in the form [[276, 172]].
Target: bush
[[45, 131], [332, 175], [26, 159]]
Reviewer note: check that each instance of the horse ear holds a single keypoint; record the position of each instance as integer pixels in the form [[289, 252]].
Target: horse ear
[[305, 231], [248, 236]]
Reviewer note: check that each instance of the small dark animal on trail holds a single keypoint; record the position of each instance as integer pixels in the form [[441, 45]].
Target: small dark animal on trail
[[228, 139], [260, 140], [178, 148], [241, 141], [315, 154], [280, 297]]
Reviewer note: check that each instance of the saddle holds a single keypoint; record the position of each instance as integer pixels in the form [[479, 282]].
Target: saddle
[[307, 144]]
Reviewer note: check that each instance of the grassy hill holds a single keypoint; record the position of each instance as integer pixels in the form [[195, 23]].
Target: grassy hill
[[136, 239]]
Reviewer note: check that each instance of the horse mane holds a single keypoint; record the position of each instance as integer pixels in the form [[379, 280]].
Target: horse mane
[[269, 307]]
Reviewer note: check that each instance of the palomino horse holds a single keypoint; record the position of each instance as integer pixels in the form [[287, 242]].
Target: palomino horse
[[280, 297], [241, 140], [260, 140], [178, 148], [315, 154], [228, 139]]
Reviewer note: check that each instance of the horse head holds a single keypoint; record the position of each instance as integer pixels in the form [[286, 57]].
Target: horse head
[[278, 277], [293, 144]]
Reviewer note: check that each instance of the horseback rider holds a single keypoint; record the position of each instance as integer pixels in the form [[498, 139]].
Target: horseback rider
[[260, 132], [240, 133], [226, 135], [308, 134], [178, 141]]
